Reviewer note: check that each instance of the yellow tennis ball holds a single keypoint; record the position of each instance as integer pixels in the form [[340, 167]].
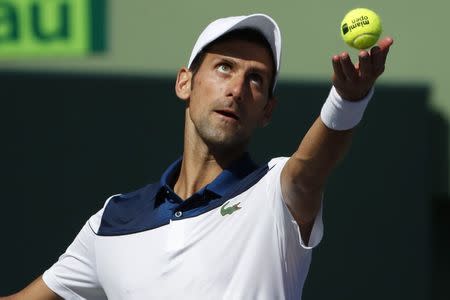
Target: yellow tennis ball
[[361, 28]]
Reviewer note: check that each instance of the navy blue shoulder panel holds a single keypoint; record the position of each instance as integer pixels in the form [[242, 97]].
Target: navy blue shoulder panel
[[136, 211], [246, 183], [130, 212]]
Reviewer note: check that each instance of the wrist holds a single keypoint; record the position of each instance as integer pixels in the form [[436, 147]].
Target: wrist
[[340, 114]]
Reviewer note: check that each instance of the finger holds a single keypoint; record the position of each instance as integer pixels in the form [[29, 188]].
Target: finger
[[365, 65], [347, 67], [378, 58], [337, 68], [384, 46], [386, 43]]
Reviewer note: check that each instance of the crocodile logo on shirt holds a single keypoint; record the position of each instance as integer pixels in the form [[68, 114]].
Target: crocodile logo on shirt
[[229, 210]]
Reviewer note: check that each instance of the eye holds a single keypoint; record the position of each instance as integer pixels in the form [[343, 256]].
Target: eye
[[224, 68], [257, 79]]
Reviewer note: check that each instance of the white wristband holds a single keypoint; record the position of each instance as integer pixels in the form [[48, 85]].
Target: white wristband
[[341, 114]]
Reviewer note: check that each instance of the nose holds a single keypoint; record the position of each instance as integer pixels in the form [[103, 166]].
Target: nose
[[236, 87]]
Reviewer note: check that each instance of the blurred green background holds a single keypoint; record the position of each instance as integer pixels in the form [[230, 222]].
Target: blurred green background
[[78, 128]]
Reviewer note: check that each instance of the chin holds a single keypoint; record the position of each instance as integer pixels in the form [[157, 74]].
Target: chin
[[223, 138], [226, 142]]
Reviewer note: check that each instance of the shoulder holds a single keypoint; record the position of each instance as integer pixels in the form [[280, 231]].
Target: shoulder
[[259, 177], [120, 207], [274, 167], [277, 161]]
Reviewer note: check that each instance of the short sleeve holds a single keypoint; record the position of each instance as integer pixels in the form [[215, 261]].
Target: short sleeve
[[74, 275], [283, 217]]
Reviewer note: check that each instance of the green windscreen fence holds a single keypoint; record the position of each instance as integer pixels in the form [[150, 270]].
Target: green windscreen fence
[[70, 141]]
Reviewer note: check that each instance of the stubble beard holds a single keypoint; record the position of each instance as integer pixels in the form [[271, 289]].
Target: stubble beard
[[221, 140]]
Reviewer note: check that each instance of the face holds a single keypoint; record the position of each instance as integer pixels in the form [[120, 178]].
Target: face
[[228, 98]]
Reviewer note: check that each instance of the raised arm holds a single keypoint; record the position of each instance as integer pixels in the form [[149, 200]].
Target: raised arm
[[304, 175], [37, 290]]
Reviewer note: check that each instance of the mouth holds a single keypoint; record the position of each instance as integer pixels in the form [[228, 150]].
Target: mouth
[[228, 114]]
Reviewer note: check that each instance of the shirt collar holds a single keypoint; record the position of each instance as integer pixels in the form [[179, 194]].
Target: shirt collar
[[237, 170], [169, 175]]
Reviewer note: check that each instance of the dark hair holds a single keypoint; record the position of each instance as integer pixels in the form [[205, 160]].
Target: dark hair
[[245, 34]]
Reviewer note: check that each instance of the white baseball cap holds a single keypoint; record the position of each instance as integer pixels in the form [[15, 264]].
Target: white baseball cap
[[261, 22]]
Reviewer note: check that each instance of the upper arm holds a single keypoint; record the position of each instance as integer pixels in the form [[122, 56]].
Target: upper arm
[[305, 173], [303, 202], [37, 290]]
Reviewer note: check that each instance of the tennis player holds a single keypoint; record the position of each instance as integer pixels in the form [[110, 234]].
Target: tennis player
[[216, 225]]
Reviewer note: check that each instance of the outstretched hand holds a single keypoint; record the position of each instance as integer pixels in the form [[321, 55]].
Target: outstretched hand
[[353, 82]]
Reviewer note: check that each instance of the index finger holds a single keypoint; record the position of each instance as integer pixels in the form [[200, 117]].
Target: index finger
[[379, 54], [385, 43]]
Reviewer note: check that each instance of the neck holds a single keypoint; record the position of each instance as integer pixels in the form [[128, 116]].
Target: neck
[[201, 164]]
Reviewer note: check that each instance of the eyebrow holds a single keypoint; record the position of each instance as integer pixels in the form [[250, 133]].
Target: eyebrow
[[260, 71], [226, 60]]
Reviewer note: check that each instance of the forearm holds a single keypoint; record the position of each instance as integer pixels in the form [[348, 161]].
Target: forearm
[[319, 152]]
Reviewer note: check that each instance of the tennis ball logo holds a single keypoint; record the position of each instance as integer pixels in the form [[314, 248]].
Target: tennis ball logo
[[361, 28]]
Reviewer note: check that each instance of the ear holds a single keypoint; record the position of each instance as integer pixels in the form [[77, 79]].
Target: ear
[[183, 84], [268, 110]]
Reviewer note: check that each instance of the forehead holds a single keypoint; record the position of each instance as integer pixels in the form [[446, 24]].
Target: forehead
[[246, 51]]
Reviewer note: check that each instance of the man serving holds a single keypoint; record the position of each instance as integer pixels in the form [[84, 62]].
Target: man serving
[[216, 225]]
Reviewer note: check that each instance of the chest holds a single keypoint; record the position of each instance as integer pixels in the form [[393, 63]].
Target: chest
[[222, 251]]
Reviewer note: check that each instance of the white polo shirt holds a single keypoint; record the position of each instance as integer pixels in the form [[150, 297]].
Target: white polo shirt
[[234, 239]]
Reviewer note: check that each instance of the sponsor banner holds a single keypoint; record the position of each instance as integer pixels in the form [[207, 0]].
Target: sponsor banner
[[51, 27]]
